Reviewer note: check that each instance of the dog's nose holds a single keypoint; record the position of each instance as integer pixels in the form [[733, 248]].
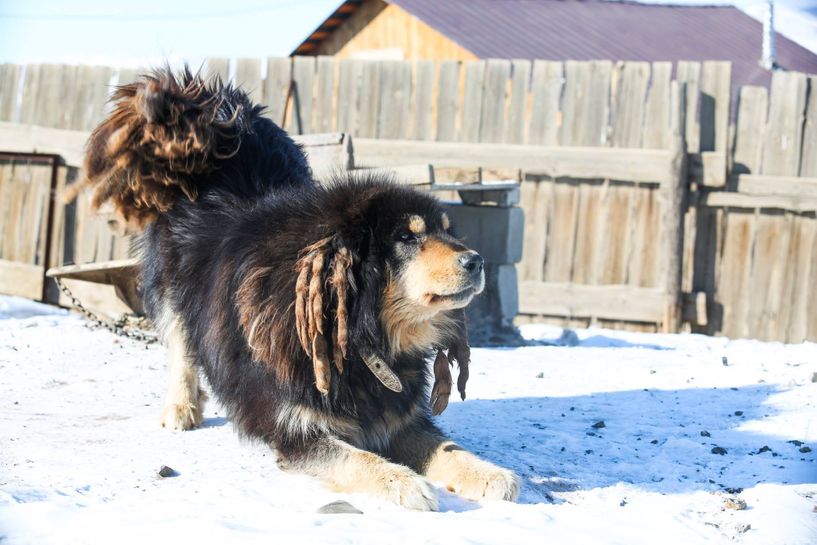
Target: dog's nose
[[472, 262]]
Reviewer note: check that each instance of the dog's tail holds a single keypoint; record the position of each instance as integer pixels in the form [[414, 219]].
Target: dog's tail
[[164, 135]]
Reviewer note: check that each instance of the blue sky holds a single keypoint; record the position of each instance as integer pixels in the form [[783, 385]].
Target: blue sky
[[115, 33]]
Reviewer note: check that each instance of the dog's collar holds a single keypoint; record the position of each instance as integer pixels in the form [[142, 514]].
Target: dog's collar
[[382, 371]]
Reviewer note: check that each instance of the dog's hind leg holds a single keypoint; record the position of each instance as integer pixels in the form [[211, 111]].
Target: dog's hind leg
[[426, 450], [184, 403], [345, 468]]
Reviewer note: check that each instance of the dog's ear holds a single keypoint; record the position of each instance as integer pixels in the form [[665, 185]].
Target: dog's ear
[[324, 282], [459, 351]]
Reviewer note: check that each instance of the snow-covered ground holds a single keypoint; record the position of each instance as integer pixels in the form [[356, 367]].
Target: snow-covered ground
[[80, 447]]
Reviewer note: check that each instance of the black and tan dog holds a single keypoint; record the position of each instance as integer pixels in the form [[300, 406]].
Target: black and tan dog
[[312, 309]]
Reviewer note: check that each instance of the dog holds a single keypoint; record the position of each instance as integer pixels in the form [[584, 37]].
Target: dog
[[312, 309]]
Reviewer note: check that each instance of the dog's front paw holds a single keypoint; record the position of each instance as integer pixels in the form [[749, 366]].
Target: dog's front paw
[[488, 483], [181, 417], [184, 414], [406, 488]]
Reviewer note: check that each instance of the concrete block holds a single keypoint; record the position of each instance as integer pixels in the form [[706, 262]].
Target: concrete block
[[503, 198], [491, 314], [494, 232], [507, 290]]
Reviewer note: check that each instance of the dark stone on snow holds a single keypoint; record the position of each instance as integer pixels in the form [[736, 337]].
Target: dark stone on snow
[[339, 507], [165, 472]]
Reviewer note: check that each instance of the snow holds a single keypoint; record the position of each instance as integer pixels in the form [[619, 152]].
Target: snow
[[80, 447]]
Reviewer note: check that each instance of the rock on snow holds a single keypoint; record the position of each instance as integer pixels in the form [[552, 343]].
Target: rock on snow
[[80, 447]]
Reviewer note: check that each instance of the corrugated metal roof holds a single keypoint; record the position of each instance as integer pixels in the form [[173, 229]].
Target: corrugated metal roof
[[598, 29]]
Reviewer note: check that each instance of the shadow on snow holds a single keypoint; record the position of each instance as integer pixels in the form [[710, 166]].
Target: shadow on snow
[[657, 440]]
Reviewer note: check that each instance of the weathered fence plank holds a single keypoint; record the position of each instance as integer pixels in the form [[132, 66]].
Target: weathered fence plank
[[630, 81], [349, 72], [276, 88], [535, 200], [656, 117], [303, 77], [423, 100], [610, 260], [369, 86], [716, 87], [448, 101], [10, 75], [591, 212], [394, 101], [217, 67], [614, 302], [248, 77], [323, 116], [781, 151], [492, 115], [586, 103], [801, 309], [738, 230], [472, 101], [517, 105], [635, 165], [808, 161], [546, 91], [690, 73], [129, 75], [90, 105], [562, 234], [771, 255], [749, 130]]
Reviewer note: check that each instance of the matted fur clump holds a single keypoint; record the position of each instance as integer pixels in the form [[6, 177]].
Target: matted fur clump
[[163, 134], [313, 310]]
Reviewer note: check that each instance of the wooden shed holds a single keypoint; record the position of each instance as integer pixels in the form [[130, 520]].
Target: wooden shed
[[553, 30], [374, 29]]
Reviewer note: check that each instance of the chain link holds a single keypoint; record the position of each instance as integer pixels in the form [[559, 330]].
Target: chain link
[[126, 326]]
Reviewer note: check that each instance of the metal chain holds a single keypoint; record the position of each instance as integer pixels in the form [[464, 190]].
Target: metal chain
[[119, 327]]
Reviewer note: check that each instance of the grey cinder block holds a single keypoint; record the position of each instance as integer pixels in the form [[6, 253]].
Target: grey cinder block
[[494, 232], [490, 315]]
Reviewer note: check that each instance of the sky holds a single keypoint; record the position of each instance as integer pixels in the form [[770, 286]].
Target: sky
[[115, 33]]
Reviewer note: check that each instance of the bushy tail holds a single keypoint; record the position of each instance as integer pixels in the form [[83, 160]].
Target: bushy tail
[[164, 134]]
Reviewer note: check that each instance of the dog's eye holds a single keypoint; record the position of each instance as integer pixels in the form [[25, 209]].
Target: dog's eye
[[407, 236]]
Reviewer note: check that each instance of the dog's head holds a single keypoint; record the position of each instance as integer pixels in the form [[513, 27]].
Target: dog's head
[[411, 272], [429, 270], [385, 278]]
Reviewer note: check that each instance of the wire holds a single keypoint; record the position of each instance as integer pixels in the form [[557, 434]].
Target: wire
[[157, 16]]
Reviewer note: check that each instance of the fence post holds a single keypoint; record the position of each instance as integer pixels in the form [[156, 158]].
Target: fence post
[[674, 193]]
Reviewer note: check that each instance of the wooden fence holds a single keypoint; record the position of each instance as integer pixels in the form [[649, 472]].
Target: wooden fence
[[599, 151]]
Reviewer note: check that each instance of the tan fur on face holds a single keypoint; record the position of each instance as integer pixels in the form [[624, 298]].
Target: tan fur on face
[[446, 222], [435, 271], [417, 225], [410, 326], [411, 317]]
